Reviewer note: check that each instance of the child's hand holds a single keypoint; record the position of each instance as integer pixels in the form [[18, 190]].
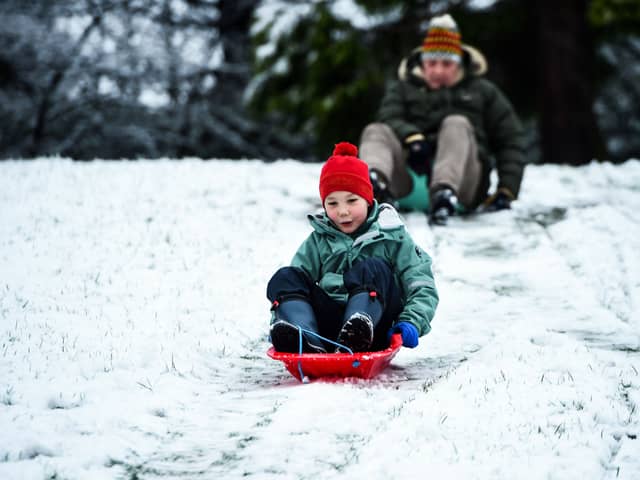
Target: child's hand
[[408, 332]]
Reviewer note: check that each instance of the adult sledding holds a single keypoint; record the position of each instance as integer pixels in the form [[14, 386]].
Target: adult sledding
[[441, 129]]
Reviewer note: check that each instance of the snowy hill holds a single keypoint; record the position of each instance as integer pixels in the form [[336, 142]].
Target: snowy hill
[[133, 331]]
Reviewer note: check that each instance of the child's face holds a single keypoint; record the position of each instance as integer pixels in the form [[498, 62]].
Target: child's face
[[347, 210]]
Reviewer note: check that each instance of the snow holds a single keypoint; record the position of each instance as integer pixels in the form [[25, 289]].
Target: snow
[[350, 11], [133, 331], [279, 16]]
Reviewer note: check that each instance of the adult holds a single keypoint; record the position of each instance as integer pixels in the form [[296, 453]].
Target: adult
[[441, 129]]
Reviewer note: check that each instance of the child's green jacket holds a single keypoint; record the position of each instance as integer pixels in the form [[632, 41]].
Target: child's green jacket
[[327, 254]]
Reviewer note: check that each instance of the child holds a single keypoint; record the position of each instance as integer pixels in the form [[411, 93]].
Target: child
[[357, 278]]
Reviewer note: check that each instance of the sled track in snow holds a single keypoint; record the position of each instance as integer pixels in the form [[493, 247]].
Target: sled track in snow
[[265, 382]]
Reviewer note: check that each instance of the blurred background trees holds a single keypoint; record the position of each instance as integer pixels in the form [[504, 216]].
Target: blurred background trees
[[287, 79], [129, 78]]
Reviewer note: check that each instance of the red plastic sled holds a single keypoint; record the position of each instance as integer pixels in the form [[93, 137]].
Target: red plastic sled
[[340, 365]]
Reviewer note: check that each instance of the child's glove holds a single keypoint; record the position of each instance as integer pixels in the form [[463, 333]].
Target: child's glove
[[408, 332]]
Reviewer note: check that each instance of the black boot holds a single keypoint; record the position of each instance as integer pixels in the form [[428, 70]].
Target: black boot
[[361, 316], [380, 187], [284, 332], [443, 205]]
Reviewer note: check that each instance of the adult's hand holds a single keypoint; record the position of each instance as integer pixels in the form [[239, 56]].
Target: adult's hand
[[420, 152]]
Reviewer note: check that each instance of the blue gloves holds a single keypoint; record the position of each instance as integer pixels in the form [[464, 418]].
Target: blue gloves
[[408, 331]]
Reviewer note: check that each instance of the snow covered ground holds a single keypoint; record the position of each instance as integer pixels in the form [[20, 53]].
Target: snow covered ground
[[133, 332]]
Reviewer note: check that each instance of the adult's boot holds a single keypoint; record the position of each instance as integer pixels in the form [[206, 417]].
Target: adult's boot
[[293, 317], [443, 205], [362, 314]]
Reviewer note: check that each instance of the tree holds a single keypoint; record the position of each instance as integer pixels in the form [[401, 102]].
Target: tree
[[566, 85], [129, 78], [282, 78], [36, 62], [214, 120], [321, 72], [616, 25]]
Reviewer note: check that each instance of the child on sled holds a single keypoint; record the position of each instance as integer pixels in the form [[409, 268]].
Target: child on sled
[[357, 278]]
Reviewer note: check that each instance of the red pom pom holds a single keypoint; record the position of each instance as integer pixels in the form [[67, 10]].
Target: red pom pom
[[346, 148]]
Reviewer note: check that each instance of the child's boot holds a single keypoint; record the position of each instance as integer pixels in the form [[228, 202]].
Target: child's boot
[[361, 316], [284, 332]]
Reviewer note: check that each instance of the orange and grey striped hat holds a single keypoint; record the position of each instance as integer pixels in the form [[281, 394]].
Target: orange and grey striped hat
[[443, 40]]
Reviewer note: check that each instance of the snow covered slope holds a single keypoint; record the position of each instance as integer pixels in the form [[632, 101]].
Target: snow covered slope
[[133, 332]]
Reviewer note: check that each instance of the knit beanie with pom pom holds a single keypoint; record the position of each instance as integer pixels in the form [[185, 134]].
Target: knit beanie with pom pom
[[344, 171], [443, 40]]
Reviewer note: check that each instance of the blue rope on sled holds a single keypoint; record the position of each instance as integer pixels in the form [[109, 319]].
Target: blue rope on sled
[[304, 378]]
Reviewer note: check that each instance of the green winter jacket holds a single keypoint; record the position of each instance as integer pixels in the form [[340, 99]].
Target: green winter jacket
[[328, 253], [410, 106]]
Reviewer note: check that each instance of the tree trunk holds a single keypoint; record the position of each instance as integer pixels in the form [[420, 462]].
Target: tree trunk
[[234, 26], [50, 91], [568, 129]]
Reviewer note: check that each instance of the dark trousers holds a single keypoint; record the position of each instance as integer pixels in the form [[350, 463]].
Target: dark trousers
[[368, 275]]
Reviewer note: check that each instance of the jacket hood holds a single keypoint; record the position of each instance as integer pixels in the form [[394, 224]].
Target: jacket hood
[[386, 216], [473, 61]]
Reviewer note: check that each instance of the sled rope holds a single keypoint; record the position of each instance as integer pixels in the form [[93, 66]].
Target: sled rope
[[301, 330]]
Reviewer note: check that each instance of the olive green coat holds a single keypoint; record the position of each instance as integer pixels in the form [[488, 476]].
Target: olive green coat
[[410, 106], [328, 253]]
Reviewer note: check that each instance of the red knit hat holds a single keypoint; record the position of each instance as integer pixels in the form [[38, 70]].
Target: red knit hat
[[346, 172], [443, 40]]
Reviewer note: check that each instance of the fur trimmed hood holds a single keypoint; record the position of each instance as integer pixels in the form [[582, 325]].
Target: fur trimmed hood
[[473, 62]]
